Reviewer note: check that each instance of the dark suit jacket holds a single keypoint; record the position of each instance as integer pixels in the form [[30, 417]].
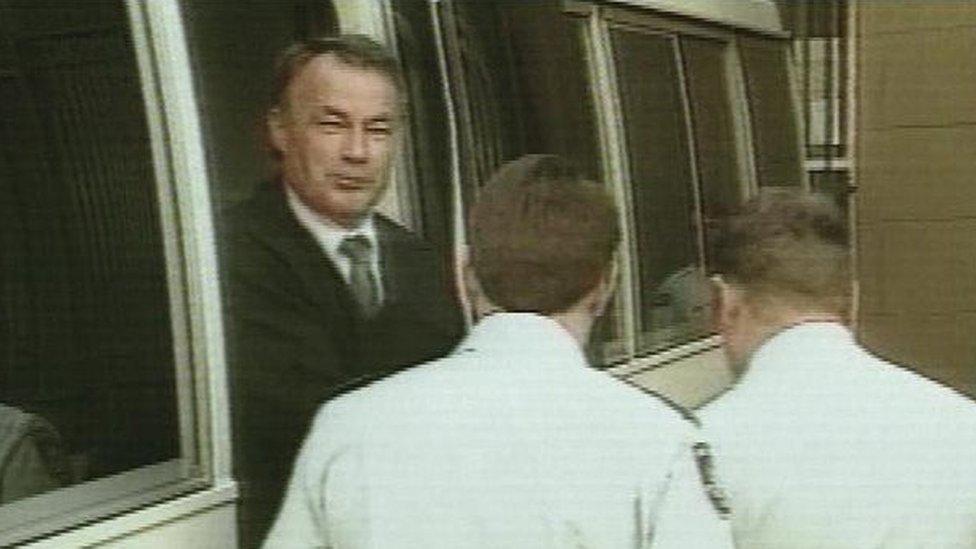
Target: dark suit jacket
[[296, 336]]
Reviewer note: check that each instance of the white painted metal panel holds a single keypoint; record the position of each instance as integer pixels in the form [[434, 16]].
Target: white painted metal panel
[[759, 15]]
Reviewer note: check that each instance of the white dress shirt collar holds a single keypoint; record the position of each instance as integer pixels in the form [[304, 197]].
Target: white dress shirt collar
[[330, 235]]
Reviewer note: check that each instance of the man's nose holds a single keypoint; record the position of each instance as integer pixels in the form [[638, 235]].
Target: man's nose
[[355, 146]]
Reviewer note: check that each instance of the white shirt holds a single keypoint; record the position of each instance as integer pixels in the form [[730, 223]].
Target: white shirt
[[330, 235], [510, 442], [824, 445]]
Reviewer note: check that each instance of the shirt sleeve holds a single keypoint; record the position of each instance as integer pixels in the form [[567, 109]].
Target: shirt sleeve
[[693, 510]]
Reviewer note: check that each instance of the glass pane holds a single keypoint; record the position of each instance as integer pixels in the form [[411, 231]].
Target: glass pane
[[772, 111], [555, 109], [665, 213], [230, 77], [86, 329], [481, 83], [519, 80], [429, 131], [716, 155]]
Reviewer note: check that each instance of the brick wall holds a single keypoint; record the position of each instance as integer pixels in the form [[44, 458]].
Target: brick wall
[[916, 171]]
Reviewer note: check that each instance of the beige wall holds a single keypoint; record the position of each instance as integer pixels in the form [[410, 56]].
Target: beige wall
[[916, 171]]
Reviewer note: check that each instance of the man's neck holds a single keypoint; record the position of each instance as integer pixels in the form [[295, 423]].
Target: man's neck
[[577, 322]]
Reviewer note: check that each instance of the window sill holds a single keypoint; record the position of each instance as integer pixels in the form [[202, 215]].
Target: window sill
[[222, 494]]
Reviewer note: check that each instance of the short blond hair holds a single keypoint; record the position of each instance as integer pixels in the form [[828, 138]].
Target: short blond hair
[[790, 247]]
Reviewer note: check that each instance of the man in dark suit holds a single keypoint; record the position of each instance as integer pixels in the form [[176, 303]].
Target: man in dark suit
[[323, 291]]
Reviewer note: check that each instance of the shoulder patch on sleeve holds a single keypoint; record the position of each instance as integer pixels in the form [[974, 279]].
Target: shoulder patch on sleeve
[[706, 468]]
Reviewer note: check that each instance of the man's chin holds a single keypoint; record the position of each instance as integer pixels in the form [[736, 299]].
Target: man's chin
[[354, 214]]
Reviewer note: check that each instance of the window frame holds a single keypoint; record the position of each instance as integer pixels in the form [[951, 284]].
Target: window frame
[[647, 17], [189, 250]]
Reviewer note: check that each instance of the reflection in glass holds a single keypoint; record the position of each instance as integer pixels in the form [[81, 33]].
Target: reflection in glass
[[32, 459], [86, 329], [665, 211]]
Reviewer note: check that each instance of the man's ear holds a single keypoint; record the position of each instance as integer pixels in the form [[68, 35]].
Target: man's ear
[[468, 280], [471, 288], [725, 303], [606, 287], [277, 135]]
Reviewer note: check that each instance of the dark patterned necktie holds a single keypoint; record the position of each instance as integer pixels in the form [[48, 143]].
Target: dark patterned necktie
[[361, 280]]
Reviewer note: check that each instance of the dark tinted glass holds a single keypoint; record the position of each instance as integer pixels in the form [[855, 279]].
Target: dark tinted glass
[[85, 324], [664, 208], [519, 80], [428, 120], [774, 128]]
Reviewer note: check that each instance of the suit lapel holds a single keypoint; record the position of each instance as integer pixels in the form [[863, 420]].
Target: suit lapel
[[318, 275], [400, 262]]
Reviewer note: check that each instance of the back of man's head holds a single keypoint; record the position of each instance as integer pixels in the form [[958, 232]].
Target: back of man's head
[[542, 237], [787, 248]]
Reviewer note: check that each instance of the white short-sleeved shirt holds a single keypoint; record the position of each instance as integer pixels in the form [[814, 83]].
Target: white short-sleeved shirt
[[822, 445], [510, 442]]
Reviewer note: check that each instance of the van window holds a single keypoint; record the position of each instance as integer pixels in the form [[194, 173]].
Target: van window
[[681, 119], [685, 150], [665, 229], [98, 405], [519, 85]]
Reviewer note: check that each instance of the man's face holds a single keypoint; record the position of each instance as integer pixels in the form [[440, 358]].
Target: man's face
[[336, 134]]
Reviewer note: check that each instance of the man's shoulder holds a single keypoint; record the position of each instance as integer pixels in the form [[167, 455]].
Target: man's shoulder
[[880, 391], [633, 394], [394, 233], [381, 397], [265, 203], [918, 391], [653, 414], [260, 236]]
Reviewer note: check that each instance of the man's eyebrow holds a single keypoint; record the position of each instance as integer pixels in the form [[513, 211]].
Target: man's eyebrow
[[330, 110]]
